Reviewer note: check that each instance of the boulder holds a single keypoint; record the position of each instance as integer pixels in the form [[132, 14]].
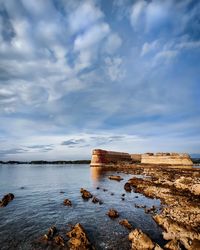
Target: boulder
[[127, 187], [112, 213], [173, 245], [67, 202], [140, 241], [6, 199], [86, 195], [51, 233], [78, 238], [115, 177], [125, 223]]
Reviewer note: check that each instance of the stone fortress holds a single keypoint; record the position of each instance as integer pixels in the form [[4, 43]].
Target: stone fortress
[[107, 158]]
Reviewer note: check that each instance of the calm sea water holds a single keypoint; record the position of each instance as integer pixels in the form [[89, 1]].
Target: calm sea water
[[38, 205]]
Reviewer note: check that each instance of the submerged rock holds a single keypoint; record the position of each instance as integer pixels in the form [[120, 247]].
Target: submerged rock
[[6, 199], [125, 223], [78, 238], [140, 241], [115, 177], [67, 202], [51, 233], [85, 194], [127, 187], [112, 213]]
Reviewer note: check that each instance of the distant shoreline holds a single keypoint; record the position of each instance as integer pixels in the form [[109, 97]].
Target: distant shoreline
[[46, 162]]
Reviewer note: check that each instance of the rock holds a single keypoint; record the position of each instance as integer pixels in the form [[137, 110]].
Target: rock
[[78, 238], [195, 189], [157, 247], [173, 245], [140, 241], [111, 193], [195, 245], [150, 210], [59, 240], [123, 198], [6, 199], [67, 202], [140, 206], [115, 177], [51, 233], [97, 188], [96, 200], [127, 187], [105, 190], [125, 223], [112, 213], [123, 195], [62, 192], [85, 194]]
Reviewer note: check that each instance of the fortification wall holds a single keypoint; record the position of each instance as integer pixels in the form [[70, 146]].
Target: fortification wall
[[102, 157], [166, 159]]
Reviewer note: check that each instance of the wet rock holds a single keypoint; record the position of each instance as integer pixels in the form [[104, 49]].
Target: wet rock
[[173, 245], [105, 190], [140, 206], [78, 238], [157, 247], [127, 187], [62, 192], [112, 213], [22, 187], [97, 188], [111, 193], [67, 202], [85, 194], [122, 198], [125, 223], [150, 210], [140, 241], [123, 195], [51, 233], [96, 200], [6, 199], [115, 177], [59, 240]]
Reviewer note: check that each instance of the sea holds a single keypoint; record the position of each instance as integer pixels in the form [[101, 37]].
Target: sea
[[38, 204]]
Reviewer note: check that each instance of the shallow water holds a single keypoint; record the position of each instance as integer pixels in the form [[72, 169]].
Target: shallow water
[[38, 205]]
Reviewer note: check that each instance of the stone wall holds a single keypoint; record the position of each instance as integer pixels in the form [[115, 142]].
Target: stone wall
[[166, 159], [136, 157], [102, 157]]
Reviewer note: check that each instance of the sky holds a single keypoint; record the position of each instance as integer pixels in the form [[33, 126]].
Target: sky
[[118, 75]]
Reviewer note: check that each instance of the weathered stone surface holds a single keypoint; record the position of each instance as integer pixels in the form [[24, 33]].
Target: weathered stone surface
[[59, 240], [51, 233], [112, 213], [85, 194], [173, 245], [140, 241], [67, 202], [115, 177], [6, 199], [125, 223], [78, 238]]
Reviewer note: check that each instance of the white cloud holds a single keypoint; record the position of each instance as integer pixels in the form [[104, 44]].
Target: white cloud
[[92, 36], [114, 68], [84, 16], [113, 43]]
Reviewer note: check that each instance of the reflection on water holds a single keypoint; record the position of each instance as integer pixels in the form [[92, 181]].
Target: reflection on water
[[97, 173], [39, 205]]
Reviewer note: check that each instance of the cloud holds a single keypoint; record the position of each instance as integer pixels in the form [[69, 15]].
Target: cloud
[[113, 43], [114, 68]]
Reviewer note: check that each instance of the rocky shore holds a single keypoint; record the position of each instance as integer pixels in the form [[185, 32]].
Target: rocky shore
[[179, 192]]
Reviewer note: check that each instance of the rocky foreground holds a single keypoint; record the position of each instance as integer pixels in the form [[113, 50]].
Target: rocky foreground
[[179, 192]]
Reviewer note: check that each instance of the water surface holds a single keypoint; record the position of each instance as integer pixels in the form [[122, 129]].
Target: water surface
[[38, 205]]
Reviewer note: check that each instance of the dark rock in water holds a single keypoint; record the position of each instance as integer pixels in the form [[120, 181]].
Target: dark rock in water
[[123, 195], [22, 187], [6, 199], [95, 200], [78, 238], [123, 198], [125, 223], [62, 192], [136, 196], [112, 213], [51, 233], [105, 190], [67, 202], [140, 206], [150, 210], [97, 187], [115, 177], [127, 187], [85, 194], [59, 240], [111, 193]]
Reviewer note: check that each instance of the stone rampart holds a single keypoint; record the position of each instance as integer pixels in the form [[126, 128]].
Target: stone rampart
[[166, 159], [102, 157]]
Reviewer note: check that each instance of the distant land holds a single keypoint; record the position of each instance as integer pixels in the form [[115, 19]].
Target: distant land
[[46, 162]]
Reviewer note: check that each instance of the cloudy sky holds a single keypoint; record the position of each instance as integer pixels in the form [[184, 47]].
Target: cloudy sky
[[119, 75]]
